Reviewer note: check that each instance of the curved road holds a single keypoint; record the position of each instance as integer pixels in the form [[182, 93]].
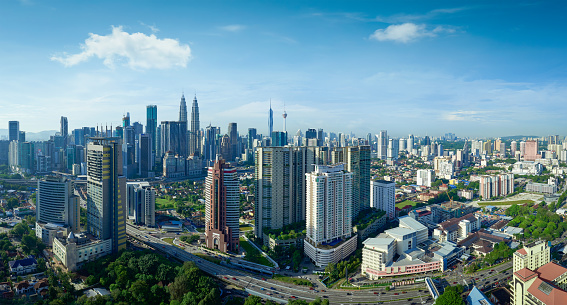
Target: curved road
[[281, 292]]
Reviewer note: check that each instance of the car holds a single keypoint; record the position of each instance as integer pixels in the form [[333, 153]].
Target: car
[[234, 278], [268, 293], [454, 283], [311, 288], [263, 279], [272, 288], [323, 290], [404, 292], [375, 292], [348, 293], [395, 293], [224, 277], [293, 297], [262, 288]]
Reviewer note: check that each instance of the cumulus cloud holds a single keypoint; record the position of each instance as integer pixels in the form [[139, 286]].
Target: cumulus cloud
[[233, 28], [408, 32], [138, 50]]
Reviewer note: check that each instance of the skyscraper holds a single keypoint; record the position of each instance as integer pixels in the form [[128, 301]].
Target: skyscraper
[[382, 145], [329, 215], [65, 130], [221, 208], [233, 136], [57, 203], [174, 137], [271, 120], [250, 143], [151, 125], [210, 145], [183, 110], [126, 120], [144, 155], [13, 130], [106, 192], [195, 136]]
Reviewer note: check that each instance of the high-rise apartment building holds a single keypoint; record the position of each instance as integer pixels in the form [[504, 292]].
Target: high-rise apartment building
[[221, 208], [280, 184], [382, 150], [357, 162], [106, 192], [531, 150], [183, 110], [57, 203], [329, 215], [151, 125], [425, 177], [141, 203], [410, 143], [195, 133], [383, 196], [13, 130], [513, 148], [496, 186]]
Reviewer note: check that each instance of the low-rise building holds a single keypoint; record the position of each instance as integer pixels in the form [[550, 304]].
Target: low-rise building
[[543, 188], [457, 228], [23, 266], [77, 249], [527, 168]]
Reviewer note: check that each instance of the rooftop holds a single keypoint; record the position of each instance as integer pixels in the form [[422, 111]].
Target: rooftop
[[548, 294], [476, 297], [550, 271], [400, 231], [412, 223]]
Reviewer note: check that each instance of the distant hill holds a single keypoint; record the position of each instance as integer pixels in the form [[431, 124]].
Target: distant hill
[[518, 137], [31, 136]]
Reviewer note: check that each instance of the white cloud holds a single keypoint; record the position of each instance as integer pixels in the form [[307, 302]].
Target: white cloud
[[408, 32], [139, 50], [405, 33], [233, 28]]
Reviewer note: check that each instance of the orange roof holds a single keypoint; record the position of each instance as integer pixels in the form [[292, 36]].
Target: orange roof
[[525, 274], [550, 271], [522, 251], [547, 293]]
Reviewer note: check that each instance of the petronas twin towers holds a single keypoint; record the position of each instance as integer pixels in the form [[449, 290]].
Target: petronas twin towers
[[194, 132]]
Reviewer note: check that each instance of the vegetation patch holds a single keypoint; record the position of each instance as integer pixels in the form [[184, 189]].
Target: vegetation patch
[[404, 203], [253, 255], [524, 201], [292, 280]]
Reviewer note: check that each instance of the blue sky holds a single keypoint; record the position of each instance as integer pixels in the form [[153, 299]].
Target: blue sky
[[478, 69]]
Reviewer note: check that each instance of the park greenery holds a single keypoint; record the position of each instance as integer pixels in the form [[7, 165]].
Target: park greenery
[[447, 196], [253, 254], [142, 277], [190, 238], [292, 280], [342, 268], [285, 255], [451, 296], [538, 221], [290, 231], [500, 252]]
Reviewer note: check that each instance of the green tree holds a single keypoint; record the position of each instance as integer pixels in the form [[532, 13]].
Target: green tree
[[451, 296]]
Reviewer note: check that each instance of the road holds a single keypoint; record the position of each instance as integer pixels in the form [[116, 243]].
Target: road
[[279, 291]]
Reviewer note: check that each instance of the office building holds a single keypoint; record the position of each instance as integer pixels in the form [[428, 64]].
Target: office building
[[174, 137], [210, 144], [222, 208], [270, 120], [183, 110], [538, 280], [141, 203], [106, 192], [195, 132], [151, 125], [383, 196], [57, 203], [250, 144], [144, 158], [13, 130], [357, 162], [279, 138], [329, 236], [425, 177], [382, 149], [233, 141], [65, 130]]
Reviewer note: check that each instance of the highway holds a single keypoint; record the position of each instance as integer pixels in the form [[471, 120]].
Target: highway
[[281, 292]]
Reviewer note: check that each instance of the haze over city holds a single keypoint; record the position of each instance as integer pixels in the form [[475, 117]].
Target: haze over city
[[478, 69]]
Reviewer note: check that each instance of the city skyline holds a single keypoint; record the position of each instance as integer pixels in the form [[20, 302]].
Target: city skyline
[[477, 69]]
